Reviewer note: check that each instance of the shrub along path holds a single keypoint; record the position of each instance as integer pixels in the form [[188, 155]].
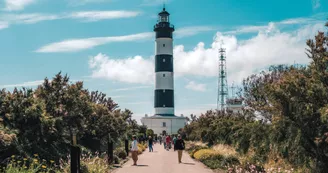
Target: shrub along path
[[162, 161]]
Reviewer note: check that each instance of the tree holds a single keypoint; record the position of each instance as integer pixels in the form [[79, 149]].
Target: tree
[[294, 103], [42, 121], [149, 132]]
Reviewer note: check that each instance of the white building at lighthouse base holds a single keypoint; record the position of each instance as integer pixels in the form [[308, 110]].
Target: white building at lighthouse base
[[169, 124]]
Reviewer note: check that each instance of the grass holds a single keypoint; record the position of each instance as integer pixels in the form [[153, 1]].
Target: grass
[[225, 150], [224, 158], [89, 164], [32, 165]]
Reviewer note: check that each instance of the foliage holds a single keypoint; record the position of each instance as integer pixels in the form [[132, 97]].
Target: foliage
[[220, 162], [149, 132], [90, 163], [141, 148], [292, 105], [120, 152], [25, 165], [224, 150], [44, 120], [204, 154], [192, 148]]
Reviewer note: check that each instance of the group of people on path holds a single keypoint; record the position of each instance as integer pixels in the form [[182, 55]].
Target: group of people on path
[[177, 142]]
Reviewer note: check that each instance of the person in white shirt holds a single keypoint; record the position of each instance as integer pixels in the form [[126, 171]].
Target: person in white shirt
[[164, 141], [134, 150]]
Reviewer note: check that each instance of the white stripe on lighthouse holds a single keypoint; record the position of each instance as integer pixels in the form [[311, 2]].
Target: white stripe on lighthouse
[[164, 80], [164, 46], [164, 110]]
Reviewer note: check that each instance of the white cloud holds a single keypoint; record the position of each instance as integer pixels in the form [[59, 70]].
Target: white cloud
[[262, 28], [91, 16], [15, 5], [316, 4], [244, 57], [28, 18], [83, 2], [25, 84], [196, 86], [84, 16], [74, 45], [4, 25], [192, 30], [131, 70], [300, 20], [133, 88], [137, 103], [119, 96], [247, 29]]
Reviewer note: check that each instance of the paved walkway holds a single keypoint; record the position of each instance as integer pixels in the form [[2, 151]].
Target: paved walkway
[[162, 161]]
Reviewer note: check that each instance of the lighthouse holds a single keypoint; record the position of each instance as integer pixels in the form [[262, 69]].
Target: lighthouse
[[164, 119], [164, 80]]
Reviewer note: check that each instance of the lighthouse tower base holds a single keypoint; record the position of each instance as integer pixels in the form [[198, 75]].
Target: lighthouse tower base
[[169, 124]]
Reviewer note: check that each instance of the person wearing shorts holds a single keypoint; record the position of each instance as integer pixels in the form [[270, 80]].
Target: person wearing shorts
[[134, 150]]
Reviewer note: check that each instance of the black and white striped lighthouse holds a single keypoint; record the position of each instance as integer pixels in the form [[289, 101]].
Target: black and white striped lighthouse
[[164, 85]]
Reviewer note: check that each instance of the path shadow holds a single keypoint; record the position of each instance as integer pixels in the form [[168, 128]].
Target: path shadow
[[188, 163], [141, 165]]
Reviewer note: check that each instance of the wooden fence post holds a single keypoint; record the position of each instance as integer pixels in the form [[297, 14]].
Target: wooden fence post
[[74, 159], [110, 151], [75, 155], [127, 147]]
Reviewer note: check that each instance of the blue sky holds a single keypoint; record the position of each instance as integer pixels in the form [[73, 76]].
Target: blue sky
[[109, 44]]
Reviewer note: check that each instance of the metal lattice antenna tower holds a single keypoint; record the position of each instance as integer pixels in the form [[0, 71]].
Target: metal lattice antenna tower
[[222, 80]]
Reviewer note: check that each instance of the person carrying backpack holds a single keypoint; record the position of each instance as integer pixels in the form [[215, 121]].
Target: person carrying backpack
[[179, 146]]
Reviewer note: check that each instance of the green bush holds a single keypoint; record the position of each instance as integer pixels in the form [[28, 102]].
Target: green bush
[[120, 152], [84, 168], [214, 160], [204, 154], [193, 149], [214, 164], [116, 159]]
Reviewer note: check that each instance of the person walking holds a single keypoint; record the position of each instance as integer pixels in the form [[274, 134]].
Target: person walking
[[160, 140], [180, 146], [134, 150], [164, 141], [174, 140], [150, 144], [168, 142]]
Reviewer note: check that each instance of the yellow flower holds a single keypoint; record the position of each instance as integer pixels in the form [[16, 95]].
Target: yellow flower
[[19, 161], [25, 167], [51, 161], [35, 160], [25, 159], [13, 156], [44, 166], [36, 155]]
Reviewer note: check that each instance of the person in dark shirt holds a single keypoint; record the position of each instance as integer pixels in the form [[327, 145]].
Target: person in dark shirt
[[150, 144], [179, 146]]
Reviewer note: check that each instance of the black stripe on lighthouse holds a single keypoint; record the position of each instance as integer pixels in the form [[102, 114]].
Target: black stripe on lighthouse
[[163, 33], [164, 98], [164, 63]]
